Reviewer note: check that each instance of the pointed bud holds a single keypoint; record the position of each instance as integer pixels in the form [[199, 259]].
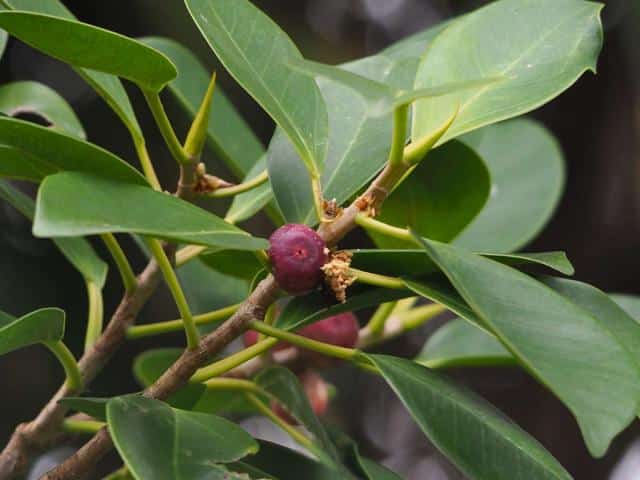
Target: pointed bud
[[197, 136]]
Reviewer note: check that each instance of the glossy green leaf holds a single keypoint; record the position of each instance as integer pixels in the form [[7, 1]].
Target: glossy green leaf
[[235, 263], [285, 464], [77, 250], [527, 175], [160, 442], [255, 51], [301, 311], [230, 136], [107, 86], [62, 210], [40, 326], [31, 152], [284, 386], [247, 204], [440, 197], [613, 317], [474, 435], [93, 406], [558, 342], [461, 344], [542, 47], [32, 97], [414, 263], [629, 303], [83, 45]]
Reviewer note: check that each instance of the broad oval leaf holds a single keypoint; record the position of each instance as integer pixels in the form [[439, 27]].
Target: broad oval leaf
[[527, 176], [461, 344], [414, 263], [230, 136], [541, 48], [474, 435], [160, 442], [440, 198], [235, 263], [256, 51], [629, 303], [282, 463], [32, 152], [87, 46], [32, 97], [40, 326], [77, 250], [107, 86], [73, 204], [552, 338]]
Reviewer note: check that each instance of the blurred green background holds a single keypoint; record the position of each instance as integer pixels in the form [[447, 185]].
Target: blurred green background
[[597, 223]]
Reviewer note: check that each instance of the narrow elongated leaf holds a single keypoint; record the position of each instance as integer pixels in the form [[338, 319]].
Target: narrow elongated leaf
[[258, 61], [285, 464], [234, 263], [440, 197], [159, 442], [527, 176], [301, 311], [93, 406], [562, 345], [283, 385], [107, 86], [83, 45], [77, 250], [31, 152], [249, 203], [63, 209], [543, 47], [413, 263], [230, 136], [35, 98], [461, 344], [476, 437], [40, 326], [629, 303]]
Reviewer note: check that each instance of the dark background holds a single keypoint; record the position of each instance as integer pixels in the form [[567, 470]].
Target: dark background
[[597, 123]]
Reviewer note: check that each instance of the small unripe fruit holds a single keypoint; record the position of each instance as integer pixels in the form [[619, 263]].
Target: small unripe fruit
[[317, 392], [297, 254]]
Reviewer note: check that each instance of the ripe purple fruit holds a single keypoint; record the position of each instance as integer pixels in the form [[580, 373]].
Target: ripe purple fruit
[[297, 254], [340, 330]]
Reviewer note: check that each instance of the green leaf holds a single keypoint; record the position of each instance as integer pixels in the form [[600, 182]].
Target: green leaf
[[249, 203], [40, 326], [284, 386], [256, 52], [121, 207], [475, 436], [629, 303], [541, 48], [461, 344], [231, 137], [31, 152], [78, 251], [93, 406], [301, 311], [159, 442], [285, 464], [83, 45], [358, 143], [559, 343], [414, 263], [107, 86], [527, 175], [33, 97], [440, 197], [235, 263]]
